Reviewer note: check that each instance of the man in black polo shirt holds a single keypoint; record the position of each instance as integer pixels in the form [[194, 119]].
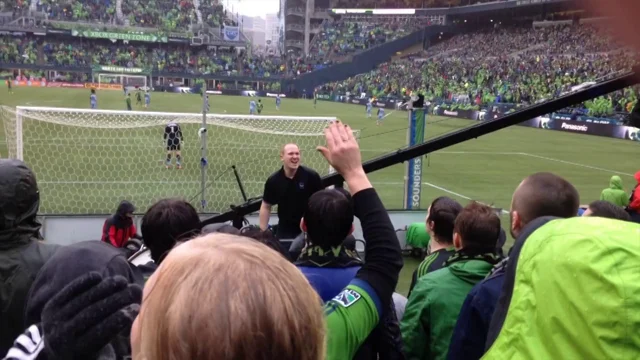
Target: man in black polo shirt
[[290, 188]]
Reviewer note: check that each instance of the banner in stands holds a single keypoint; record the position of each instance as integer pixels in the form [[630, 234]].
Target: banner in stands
[[103, 86], [118, 69], [34, 83], [65, 85], [130, 36], [413, 171], [231, 33]]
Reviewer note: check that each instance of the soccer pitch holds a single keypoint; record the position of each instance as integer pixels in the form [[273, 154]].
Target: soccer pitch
[[88, 170]]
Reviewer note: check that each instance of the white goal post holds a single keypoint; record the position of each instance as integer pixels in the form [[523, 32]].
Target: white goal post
[[86, 161]]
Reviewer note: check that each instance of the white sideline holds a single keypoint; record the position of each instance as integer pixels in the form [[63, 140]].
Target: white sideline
[[576, 164], [455, 194]]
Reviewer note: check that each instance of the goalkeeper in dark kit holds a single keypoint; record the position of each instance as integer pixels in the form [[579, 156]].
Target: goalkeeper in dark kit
[[173, 139]]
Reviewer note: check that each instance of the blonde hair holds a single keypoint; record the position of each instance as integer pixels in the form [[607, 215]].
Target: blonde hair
[[223, 296]]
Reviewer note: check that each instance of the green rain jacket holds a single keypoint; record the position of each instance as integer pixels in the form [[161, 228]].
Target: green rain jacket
[[434, 305], [615, 194], [571, 291]]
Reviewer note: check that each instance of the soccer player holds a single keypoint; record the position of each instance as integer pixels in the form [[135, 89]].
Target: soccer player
[[128, 101], [173, 138], [138, 98], [278, 101], [252, 107], [93, 99], [369, 108], [260, 106], [9, 85], [315, 98], [380, 116], [147, 99]]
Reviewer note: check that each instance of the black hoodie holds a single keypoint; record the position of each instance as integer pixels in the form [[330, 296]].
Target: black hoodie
[[21, 253], [71, 262]]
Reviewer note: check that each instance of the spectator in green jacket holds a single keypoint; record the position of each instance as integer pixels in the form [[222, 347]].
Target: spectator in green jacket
[[615, 194], [435, 303]]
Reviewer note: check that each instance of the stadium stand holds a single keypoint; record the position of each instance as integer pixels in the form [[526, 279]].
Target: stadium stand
[[507, 65]]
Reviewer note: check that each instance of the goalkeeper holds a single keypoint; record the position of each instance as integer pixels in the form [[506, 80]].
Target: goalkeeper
[[173, 139]]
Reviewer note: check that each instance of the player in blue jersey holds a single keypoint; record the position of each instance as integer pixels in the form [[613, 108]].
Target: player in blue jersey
[[278, 100], [173, 139], [147, 99], [380, 116], [93, 99], [252, 107], [369, 108]]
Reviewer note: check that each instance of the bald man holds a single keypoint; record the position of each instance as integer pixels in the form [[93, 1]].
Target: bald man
[[290, 188]]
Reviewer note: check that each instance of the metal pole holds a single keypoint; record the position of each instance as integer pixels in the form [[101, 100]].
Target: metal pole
[[235, 172], [203, 158]]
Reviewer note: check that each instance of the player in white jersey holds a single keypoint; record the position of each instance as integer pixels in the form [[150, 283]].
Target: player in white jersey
[[380, 116], [369, 108], [252, 107], [93, 99]]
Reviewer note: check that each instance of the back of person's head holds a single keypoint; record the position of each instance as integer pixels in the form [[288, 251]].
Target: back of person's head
[[69, 263], [441, 218], [266, 237], [212, 293], [19, 197], [125, 207], [167, 222], [224, 228], [477, 229], [605, 209], [542, 194], [328, 218]]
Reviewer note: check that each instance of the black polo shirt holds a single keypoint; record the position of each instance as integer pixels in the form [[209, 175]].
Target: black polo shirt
[[291, 196]]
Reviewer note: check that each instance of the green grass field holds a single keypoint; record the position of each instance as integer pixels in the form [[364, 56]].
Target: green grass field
[[87, 170]]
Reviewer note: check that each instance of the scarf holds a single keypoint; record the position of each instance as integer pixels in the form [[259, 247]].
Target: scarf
[[462, 255], [334, 257]]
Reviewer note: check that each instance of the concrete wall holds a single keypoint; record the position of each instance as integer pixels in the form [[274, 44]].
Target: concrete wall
[[66, 230]]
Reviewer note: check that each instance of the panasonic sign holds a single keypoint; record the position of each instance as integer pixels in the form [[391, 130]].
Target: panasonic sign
[[581, 128]]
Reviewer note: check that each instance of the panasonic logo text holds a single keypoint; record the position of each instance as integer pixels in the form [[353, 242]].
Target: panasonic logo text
[[582, 128]]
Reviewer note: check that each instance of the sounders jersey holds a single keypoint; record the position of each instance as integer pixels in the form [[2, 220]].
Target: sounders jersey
[[350, 317]]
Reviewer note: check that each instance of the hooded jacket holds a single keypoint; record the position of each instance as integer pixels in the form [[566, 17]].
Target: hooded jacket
[[571, 289], [119, 228], [615, 194], [470, 334], [71, 262], [22, 254], [634, 202], [433, 307]]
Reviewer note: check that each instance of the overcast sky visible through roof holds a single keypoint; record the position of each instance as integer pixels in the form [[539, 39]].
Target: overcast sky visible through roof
[[252, 7]]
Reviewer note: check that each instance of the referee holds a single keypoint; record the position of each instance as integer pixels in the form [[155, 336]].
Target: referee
[[290, 188]]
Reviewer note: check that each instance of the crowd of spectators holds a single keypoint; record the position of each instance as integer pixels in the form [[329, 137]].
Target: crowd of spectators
[[18, 50], [87, 10], [351, 34], [85, 300], [515, 65], [165, 15]]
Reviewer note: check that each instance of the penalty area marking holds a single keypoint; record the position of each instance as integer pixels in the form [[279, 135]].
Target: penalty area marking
[[576, 164]]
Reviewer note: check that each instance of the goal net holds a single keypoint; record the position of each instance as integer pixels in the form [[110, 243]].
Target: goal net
[[86, 161], [127, 81]]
